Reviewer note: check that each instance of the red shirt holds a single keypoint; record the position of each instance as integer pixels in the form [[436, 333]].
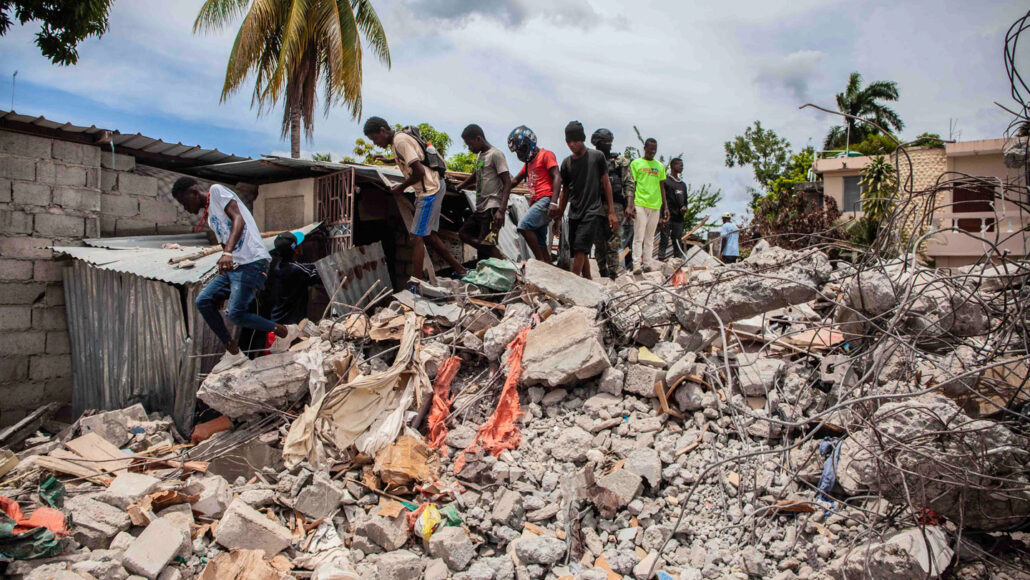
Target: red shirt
[[538, 175]]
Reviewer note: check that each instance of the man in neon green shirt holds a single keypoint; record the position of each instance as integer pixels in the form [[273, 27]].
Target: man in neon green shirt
[[648, 208]]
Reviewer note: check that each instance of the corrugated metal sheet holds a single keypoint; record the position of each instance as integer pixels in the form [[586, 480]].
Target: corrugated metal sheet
[[129, 343], [272, 167], [362, 266], [143, 256], [135, 141]]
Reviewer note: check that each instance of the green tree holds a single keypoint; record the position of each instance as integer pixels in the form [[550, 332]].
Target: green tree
[[464, 162], [865, 103], [295, 49], [65, 24], [876, 145], [795, 172], [927, 140], [699, 200], [322, 157], [766, 152], [879, 187]]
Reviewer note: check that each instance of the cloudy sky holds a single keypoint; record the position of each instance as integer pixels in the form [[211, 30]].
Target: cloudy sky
[[690, 74]]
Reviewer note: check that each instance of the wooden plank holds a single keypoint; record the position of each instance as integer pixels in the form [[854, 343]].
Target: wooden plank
[[11, 436], [78, 469], [104, 455]]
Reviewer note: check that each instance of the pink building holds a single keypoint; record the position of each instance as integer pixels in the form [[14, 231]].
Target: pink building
[[968, 214]]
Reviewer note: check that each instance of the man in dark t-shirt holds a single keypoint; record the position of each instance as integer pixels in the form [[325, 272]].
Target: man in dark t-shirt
[[676, 204], [588, 194]]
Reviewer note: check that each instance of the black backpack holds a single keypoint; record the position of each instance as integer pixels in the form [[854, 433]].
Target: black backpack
[[431, 157]]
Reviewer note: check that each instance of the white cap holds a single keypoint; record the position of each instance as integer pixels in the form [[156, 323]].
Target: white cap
[[727, 215]]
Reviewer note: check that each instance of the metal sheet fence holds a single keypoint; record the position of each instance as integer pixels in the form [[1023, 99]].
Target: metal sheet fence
[[361, 266]]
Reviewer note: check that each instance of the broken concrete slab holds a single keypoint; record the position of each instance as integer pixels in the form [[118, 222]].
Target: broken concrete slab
[[543, 550], [390, 533], [399, 565], [646, 464], [564, 285], [912, 553], [244, 527], [114, 425], [757, 374], [215, 495], [320, 498], [516, 317], [270, 381], [508, 510], [640, 380], [622, 485], [155, 547], [564, 348], [453, 545], [127, 487], [95, 523]]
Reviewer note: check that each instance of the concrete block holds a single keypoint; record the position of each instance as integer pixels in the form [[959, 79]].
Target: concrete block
[[158, 210], [54, 296], [119, 205], [43, 367], [59, 225], [15, 222], [93, 178], [58, 342], [92, 224], [622, 487], [47, 271], [18, 168], [134, 226], [215, 496], [108, 180], [757, 374], [154, 548], [128, 487], [23, 396], [46, 171], [58, 390], [107, 225], [453, 545], [565, 348], [25, 193], [69, 175], [509, 510], [319, 498], [244, 527], [15, 317], [640, 380], [399, 565], [131, 183], [82, 199], [22, 343], [55, 318], [388, 533], [15, 269], [76, 153], [26, 248], [114, 425], [95, 523], [564, 285], [14, 368], [21, 144], [20, 293], [5, 190], [119, 161]]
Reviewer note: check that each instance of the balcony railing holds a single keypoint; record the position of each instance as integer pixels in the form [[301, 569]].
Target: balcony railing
[[977, 233]]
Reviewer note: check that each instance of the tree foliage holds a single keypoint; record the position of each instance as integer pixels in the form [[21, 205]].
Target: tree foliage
[[699, 201], [927, 140], [876, 145], [464, 162], [785, 220], [322, 156], [879, 188], [295, 49], [65, 24], [795, 172], [766, 152], [864, 102]]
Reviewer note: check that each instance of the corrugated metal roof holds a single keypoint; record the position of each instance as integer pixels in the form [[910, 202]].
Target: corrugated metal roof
[[194, 154], [143, 255], [275, 168]]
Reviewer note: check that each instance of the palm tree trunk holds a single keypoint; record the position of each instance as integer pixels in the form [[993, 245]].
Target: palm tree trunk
[[295, 132]]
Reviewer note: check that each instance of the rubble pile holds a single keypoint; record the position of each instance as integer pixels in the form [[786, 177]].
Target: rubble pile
[[784, 417]]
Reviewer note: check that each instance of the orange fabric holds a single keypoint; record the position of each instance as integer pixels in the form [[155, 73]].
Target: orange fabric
[[442, 400], [46, 517], [500, 432], [205, 430], [679, 278]]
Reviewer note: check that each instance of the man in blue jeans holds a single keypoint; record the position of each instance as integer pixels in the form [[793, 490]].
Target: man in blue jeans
[[242, 267], [541, 174]]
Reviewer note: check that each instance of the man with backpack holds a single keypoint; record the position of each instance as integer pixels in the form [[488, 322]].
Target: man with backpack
[[423, 170]]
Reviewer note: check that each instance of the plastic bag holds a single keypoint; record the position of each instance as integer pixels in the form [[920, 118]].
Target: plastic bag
[[428, 521], [493, 273]]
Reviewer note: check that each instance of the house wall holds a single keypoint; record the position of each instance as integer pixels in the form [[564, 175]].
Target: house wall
[[285, 205], [58, 192], [833, 187]]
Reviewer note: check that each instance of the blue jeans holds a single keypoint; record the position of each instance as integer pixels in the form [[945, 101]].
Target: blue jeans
[[239, 286]]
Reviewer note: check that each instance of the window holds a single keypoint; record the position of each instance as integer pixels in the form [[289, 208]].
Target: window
[[974, 197], [852, 194]]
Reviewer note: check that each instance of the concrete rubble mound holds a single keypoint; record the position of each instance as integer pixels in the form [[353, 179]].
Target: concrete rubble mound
[[789, 416]]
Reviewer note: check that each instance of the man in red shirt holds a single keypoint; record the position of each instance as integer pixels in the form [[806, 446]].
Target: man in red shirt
[[541, 174]]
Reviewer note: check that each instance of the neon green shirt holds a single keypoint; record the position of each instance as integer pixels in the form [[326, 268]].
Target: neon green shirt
[[649, 176]]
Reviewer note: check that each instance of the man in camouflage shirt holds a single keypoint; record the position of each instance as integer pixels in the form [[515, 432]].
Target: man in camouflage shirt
[[623, 188]]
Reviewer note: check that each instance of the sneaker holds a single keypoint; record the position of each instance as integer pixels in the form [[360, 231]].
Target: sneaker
[[229, 361], [282, 343]]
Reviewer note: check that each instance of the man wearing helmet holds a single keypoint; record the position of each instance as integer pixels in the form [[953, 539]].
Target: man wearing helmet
[[542, 176], [623, 185]]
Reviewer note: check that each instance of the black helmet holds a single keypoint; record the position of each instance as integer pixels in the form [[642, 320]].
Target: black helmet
[[601, 135]]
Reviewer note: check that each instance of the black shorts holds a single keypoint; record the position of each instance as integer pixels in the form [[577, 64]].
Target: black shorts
[[478, 225], [586, 232]]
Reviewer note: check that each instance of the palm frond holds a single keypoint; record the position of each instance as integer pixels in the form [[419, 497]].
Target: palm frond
[[372, 28], [218, 13]]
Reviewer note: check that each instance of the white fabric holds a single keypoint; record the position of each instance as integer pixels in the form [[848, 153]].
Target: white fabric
[[249, 248], [645, 223]]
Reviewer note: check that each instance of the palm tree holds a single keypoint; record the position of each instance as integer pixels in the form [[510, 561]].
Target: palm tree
[[865, 103], [295, 47]]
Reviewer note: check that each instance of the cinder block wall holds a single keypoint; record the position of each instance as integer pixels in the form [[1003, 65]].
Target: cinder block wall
[[925, 164], [59, 192]]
